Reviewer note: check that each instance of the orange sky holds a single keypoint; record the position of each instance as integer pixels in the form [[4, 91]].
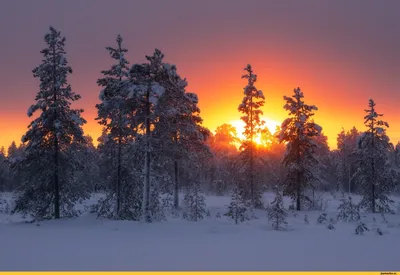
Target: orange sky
[[223, 91], [338, 53]]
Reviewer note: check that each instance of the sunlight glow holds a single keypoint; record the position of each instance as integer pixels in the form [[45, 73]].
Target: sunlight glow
[[239, 125]]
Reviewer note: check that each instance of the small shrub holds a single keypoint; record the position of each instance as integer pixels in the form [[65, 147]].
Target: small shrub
[[361, 228]]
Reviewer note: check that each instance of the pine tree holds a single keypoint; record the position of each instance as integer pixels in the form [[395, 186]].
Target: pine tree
[[131, 179], [194, 206], [49, 188], [14, 155], [12, 149], [250, 108], [346, 164], [4, 172], [145, 90], [87, 155], [375, 174], [277, 213], [299, 131], [115, 114], [348, 211], [237, 208], [178, 134], [106, 163]]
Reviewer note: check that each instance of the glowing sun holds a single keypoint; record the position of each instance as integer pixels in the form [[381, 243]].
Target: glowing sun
[[239, 125]]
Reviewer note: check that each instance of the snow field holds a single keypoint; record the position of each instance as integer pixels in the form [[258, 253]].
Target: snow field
[[88, 243]]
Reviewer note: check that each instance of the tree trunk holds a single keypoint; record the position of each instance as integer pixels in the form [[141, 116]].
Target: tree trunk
[[146, 187], [119, 176], [252, 195], [298, 175], [298, 194], [56, 182], [119, 157], [373, 187], [253, 201], [56, 161], [373, 169], [176, 191]]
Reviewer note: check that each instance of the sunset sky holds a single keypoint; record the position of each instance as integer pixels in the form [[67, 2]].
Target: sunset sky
[[341, 53]]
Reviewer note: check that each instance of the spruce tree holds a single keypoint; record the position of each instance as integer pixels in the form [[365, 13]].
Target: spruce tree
[[12, 149], [375, 174], [49, 188], [87, 155], [237, 208], [4, 172], [277, 214], [348, 211], [346, 159], [250, 108], [14, 155], [115, 113], [178, 134], [194, 205], [298, 131], [145, 90]]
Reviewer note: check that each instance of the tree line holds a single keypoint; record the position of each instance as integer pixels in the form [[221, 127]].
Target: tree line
[[153, 148]]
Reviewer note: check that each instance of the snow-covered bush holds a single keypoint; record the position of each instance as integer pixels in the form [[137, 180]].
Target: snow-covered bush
[[306, 219], [348, 211], [237, 209], [322, 219], [361, 228], [194, 206]]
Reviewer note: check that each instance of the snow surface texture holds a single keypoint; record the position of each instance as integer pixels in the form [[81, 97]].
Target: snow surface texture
[[215, 243]]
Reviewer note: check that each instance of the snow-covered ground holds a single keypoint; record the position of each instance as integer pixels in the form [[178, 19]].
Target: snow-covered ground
[[88, 243]]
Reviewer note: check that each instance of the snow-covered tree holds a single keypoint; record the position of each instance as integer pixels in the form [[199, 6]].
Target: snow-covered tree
[[131, 178], [299, 131], [237, 208], [106, 159], [145, 90], [14, 154], [346, 164], [4, 171], [250, 108], [87, 155], [115, 114], [178, 134], [348, 211], [194, 205], [12, 149], [223, 148], [277, 213], [225, 140], [396, 155], [375, 174], [49, 188]]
